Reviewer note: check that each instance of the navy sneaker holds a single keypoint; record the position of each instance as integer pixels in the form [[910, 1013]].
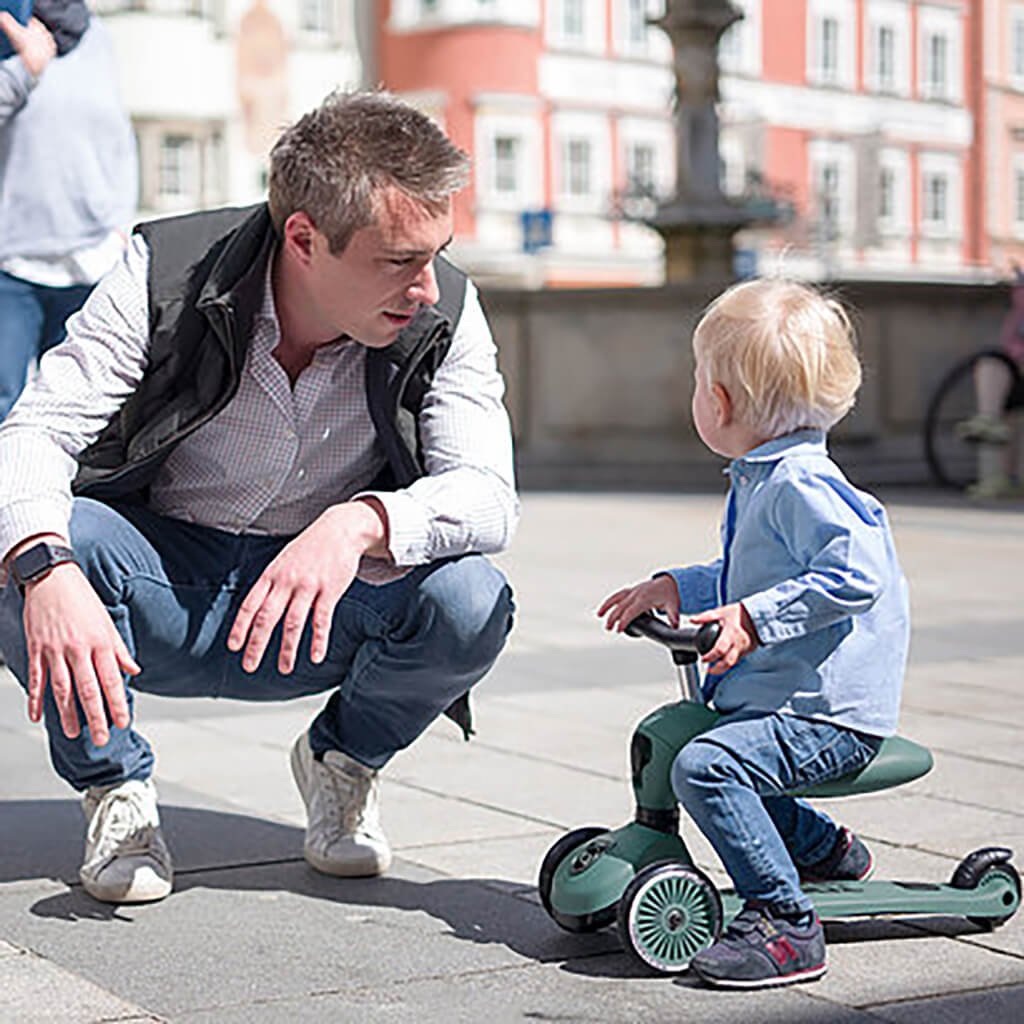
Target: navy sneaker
[[849, 861], [761, 950]]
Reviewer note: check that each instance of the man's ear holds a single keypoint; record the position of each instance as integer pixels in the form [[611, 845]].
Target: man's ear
[[722, 403], [300, 236]]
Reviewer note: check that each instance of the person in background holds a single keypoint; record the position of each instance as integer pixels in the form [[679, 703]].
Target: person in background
[[68, 178]]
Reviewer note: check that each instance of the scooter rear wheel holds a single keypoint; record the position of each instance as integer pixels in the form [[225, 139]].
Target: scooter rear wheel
[[669, 912]]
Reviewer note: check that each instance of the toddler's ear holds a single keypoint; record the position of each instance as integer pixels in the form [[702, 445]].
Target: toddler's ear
[[722, 404]]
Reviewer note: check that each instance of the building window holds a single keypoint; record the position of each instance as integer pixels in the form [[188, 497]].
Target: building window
[[577, 159], [828, 199], [1017, 47], [573, 25], [1018, 198], [936, 66], [640, 169], [885, 58], [429, 7], [178, 171], [315, 15], [935, 200], [887, 194], [506, 164], [636, 22], [828, 49]]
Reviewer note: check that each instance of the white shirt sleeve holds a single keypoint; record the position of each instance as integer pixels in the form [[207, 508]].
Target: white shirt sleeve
[[78, 389], [467, 501]]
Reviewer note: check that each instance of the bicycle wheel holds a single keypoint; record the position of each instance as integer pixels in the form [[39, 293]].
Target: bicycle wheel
[[952, 460]]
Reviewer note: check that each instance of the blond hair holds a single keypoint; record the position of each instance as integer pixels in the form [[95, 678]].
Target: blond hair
[[336, 161], [784, 352]]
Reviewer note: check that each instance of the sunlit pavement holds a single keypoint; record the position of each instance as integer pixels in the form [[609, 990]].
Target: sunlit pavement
[[455, 932]]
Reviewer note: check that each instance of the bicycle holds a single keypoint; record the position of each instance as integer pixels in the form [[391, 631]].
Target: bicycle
[[972, 425]]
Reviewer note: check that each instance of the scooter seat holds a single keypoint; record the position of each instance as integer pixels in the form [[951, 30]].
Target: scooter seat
[[898, 760]]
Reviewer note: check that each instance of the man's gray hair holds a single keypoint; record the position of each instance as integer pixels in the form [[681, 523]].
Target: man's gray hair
[[334, 163]]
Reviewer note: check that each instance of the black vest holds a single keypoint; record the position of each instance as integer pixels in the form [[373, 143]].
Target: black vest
[[206, 277]]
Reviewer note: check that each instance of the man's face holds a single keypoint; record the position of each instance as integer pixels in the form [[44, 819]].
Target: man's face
[[372, 289]]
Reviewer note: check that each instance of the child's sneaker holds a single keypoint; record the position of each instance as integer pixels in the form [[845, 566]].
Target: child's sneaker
[[849, 861], [760, 950], [982, 429]]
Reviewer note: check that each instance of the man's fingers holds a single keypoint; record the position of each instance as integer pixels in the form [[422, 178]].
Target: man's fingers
[[323, 617], [90, 696], [64, 698], [251, 604], [291, 632], [36, 686], [108, 671], [263, 623]]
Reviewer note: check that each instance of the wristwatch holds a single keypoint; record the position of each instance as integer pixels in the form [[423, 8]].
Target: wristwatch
[[35, 562]]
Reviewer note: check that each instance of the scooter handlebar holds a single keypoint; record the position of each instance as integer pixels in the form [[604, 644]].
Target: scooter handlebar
[[699, 639]]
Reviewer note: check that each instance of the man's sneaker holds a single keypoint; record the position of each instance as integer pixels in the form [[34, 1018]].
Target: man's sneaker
[[849, 861], [343, 833], [982, 429], [126, 858], [761, 950]]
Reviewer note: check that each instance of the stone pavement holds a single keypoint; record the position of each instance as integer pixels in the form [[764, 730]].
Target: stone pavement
[[455, 932]]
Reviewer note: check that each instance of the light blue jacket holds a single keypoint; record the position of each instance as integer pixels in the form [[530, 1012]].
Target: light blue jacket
[[812, 559], [68, 168]]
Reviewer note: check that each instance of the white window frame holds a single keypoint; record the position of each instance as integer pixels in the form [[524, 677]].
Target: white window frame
[[1015, 46], [1017, 195], [622, 18], [594, 128], [896, 163], [843, 14], [186, 168], [740, 45], [948, 167], [658, 136], [591, 40], [944, 22], [894, 16], [488, 128], [410, 15], [825, 153]]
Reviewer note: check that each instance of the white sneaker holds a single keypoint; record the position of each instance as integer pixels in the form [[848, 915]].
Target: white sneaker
[[343, 833], [126, 858]]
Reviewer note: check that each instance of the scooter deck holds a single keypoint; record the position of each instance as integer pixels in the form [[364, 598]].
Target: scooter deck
[[875, 898]]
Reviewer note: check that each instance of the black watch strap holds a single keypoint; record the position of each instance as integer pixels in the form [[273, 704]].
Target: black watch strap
[[36, 561]]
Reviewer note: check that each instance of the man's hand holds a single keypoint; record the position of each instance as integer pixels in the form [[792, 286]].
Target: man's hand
[[738, 636], [72, 642], [32, 42], [311, 573], [625, 605]]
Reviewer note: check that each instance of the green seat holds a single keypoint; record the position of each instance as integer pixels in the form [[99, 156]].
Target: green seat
[[898, 760]]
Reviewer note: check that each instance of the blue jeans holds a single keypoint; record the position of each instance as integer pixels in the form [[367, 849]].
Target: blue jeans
[[399, 654], [730, 780], [31, 322]]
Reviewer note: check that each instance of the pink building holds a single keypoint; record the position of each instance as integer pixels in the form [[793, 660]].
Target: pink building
[[858, 112]]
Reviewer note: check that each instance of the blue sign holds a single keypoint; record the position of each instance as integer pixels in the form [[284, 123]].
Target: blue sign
[[744, 264], [536, 229]]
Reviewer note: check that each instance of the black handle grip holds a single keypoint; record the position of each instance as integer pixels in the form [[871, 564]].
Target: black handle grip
[[686, 638]]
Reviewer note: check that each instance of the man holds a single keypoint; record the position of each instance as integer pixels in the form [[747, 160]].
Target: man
[[67, 177], [285, 465]]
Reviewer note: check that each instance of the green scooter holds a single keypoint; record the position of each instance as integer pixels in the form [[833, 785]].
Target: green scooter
[[641, 876]]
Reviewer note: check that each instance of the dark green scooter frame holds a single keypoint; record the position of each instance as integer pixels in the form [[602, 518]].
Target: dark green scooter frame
[[643, 877]]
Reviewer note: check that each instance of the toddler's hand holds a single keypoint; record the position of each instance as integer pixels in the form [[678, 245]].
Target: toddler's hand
[[625, 605], [738, 636]]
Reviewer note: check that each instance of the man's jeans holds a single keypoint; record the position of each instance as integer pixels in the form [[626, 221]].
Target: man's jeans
[[31, 322], [729, 779], [399, 654]]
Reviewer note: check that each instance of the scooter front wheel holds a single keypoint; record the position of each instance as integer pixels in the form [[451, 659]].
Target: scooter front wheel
[[555, 855], [669, 912]]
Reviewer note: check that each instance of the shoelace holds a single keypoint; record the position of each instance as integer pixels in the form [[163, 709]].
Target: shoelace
[[347, 796], [120, 825]]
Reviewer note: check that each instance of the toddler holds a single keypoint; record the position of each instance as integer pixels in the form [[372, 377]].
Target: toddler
[[813, 608]]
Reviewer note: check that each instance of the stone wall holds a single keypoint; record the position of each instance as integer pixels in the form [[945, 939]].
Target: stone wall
[[599, 380]]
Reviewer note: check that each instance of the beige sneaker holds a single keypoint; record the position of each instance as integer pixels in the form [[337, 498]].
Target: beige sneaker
[[126, 858], [343, 833]]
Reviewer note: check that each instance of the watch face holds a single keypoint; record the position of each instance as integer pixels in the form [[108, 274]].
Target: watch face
[[32, 562]]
